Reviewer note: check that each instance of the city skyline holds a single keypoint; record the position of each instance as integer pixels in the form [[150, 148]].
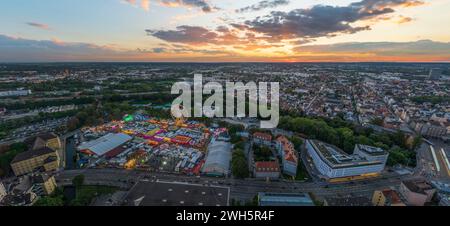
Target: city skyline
[[225, 31]]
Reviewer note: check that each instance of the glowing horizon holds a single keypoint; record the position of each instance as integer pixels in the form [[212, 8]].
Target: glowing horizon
[[225, 31]]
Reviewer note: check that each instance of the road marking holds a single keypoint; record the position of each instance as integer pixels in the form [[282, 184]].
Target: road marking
[[438, 167], [446, 161]]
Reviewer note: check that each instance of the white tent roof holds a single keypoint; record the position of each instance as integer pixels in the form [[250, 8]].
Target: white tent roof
[[219, 157]]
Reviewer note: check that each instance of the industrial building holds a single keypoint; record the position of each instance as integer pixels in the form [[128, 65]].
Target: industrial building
[[105, 144], [176, 194], [218, 159], [284, 199], [332, 162]]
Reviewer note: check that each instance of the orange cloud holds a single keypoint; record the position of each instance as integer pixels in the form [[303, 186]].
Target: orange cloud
[[145, 4], [404, 20]]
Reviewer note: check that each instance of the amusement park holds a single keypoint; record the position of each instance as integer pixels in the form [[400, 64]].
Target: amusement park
[[141, 142]]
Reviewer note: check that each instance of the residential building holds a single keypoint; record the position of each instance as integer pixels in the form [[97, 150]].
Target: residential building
[[262, 138], [44, 159], [21, 193], [417, 192], [288, 155], [387, 197], [50, 140], [347, 201], [27, 199], [435, 74], [2, 191], [43, 184], [268, 170], [284, 199], [42, 156], [332, 162]]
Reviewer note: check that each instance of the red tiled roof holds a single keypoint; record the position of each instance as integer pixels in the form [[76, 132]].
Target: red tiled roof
[[263, 136], [267, 167], [392, 196], [288, 148], [114, 152]]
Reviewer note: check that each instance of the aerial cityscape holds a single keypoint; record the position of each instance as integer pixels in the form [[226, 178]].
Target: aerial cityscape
[[87, 107]]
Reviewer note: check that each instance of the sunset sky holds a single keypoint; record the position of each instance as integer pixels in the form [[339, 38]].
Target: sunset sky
[[224, 30]]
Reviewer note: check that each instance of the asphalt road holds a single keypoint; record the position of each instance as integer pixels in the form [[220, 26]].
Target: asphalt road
[[240, 189], [426, 165]]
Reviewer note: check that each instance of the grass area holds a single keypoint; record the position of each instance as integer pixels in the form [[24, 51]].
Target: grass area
[[262, 153], [85, 194], [301, 172]]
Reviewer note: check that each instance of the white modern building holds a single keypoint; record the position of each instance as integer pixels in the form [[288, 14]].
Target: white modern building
[[15, 93], [371, 153], [332, 162]]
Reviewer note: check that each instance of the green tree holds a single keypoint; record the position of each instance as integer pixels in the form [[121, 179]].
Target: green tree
[[297, 142], [239, 165], [418, 140], [50, 201]]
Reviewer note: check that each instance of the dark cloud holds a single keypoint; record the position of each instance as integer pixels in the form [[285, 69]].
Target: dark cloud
[[202, 4], [159, 50], [323, 20], [185, 34], [18, 49], [263, 5], [39, 25], [299, 26]]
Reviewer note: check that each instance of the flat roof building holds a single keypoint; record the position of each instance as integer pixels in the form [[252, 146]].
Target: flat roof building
[[218, 159], [332, 162], [371, 153], [347, 201], [176, 194], [104, 144], [284, 199]]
